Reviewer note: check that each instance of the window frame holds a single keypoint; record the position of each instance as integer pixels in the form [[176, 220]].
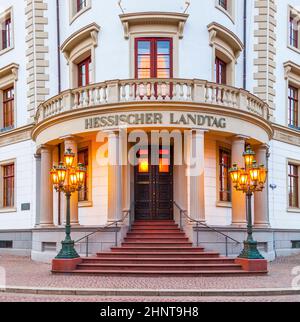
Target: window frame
[[14, 207], [289, 176], [6, 34], [5, 104], [223, 5], [153, 55], [229, 11], [74, 11], [218, 63], [226, 147], [6, 16], [294, 111], [80, 5], [221, 178], [293, 14], [87, 145], [87, 64], [293, 33], [8, 186]]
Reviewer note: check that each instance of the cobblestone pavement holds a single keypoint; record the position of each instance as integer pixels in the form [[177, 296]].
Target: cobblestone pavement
[[22, 271], [47, 298]]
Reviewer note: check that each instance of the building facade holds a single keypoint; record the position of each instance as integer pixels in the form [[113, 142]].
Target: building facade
[[93, 76]]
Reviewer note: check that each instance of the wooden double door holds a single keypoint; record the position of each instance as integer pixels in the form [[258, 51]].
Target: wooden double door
[[154, 184]]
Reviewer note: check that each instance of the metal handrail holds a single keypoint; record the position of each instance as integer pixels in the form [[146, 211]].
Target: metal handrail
[[127, 213], [184, 213]]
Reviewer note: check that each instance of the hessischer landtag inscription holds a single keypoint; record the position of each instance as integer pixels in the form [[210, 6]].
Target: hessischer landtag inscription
[[155, 119]]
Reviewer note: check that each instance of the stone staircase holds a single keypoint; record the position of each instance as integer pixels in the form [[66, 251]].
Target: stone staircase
[[159, 248]]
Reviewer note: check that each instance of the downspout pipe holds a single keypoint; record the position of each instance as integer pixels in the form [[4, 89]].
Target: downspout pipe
[[58, 45], [59, 91], [245, 47]]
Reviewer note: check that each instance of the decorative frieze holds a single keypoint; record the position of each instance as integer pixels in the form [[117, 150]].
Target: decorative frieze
[[265, 49], [16, 136], [36, 54], [286, 135]]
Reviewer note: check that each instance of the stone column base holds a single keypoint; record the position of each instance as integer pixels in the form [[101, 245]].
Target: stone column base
[[65, 265], [253, 265]]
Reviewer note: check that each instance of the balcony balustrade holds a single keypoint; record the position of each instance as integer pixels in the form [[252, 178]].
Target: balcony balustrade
[[153, 90]]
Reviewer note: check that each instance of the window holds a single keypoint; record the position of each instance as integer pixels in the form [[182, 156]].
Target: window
[[221, 66], [8, 86], [226, 50], [78, 7], [294, 33], [8, 108], [293, 185], [293, 29], [293, 111], [79, 51], [223, 4], [154, 58], [224, 177], [6, 34], [81, 4], [84, 72], [8, 185], [83, 158]]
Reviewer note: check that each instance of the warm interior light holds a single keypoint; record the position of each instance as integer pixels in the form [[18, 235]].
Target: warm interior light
[[234, 174], [249, 156], [164, 165], [80, 173], [143, 166], [254, 172], [69, 157], [61, 173], [263, 173], [54, 176]]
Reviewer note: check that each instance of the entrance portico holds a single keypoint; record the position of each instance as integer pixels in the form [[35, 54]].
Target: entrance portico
[[204, 138]]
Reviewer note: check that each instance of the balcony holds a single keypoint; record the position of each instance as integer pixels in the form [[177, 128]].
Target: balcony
[[180, 91]]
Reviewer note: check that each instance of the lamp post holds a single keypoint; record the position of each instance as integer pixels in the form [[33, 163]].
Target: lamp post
[[68, 178], [250, 179]]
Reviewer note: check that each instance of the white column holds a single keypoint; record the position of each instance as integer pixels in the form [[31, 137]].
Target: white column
[[238, 198], [261, 216], [46, 192], [70, 143], [114, 177], [38, 188], [195, 174]]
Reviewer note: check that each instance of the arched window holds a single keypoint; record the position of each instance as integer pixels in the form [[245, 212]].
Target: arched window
[[79, 50], [226, 50]]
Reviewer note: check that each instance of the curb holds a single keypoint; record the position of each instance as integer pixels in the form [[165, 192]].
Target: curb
[[150, 293]]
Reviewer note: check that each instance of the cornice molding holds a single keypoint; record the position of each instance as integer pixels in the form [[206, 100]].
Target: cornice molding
[[291, 67], [157, 106], [17, 135], [151, 18], [218, 31], [286, 135], [10, 69], [88, 32]]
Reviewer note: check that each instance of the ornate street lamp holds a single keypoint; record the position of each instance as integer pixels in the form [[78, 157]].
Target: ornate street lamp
[[68, 179], [249, 180]]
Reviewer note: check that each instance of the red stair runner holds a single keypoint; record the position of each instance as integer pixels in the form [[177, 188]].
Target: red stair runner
[[159, 248]]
